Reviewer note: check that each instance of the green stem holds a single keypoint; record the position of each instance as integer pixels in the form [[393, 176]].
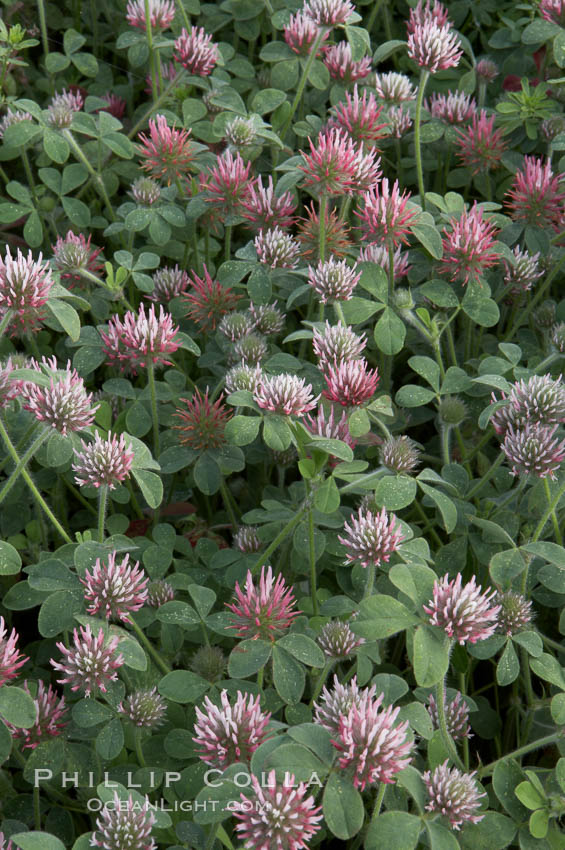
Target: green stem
[[554, 519], [102, 503], [445, 440], [43, 28], [379, 801], [530, 696], [5, 321], [35, 492], [99, 183], [442, 721], [390, 248], [36, 808], [321, 681], [548, 512], [288, 529], [154, 653], [338, 309], [154, 414], [305, 72], [228, 505], [312, 553], [138, 749], [373, 15], [24, 460], [149, 34], [370, 583], [482, 481], [162, 97], [213, 829], [488, 769], [463, 691], [227, 234], [552, 643], [322, 228], [417, 143]]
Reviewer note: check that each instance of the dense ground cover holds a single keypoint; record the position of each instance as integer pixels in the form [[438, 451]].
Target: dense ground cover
[[282, 485]]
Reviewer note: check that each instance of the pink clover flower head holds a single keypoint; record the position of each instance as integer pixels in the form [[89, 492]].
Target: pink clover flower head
[[243, 377], [338, 641], [167, 153], [330, 427], [234, 326], [480, 146], [250, 349], [208, 300], [227, 184], [169, 283], [553, 10], [91, 663], [161, 14], [515, 612], [64, 405], [487, 70], [300, 34], [534, 450], [144, 708], [5, 843], [225, 734], [103, 463], [73, 253], [336, 703], [425, 12], [433, 47], [370, 744], [264, 611], [145, 191], [339, 61], [279, 816], [159, 592], [203, 422], [399, 121], [456, 716], [539, 400], [463, 611], [371, 538], [351, 383], [116, 104], [328, 13], [334, 344], [394, 88], [49, 712], [141, 340], [375, 253], [267, 318], [62, 107], [360, 117], [277, 249], [286, 394], [333, 280], [246, 539], [453, 794], [385, 214], [521, 274], [25, 285], [265, 209], [10, 118], [536, 195], [11, 659], [453, 107], [124, 825], [115, 589], [400, 455], [9, 389], [196, 52], [467, 246], [336, 165]]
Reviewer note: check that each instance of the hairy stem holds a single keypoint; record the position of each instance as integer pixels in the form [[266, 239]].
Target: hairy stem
[[417, 142]]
